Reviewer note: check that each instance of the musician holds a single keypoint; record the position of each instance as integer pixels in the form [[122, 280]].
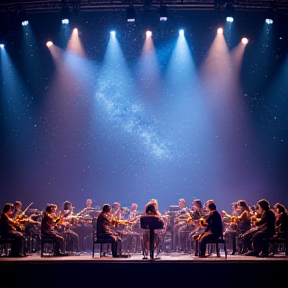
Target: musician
[[9, 229], [28, 226], [70, 222], [125, 213], [49, 221], [226, 218], [196, 229], [133, 211], [181, 216], [214, 227], [105, 223], [116, 211], [19, 216], [85, 212], [281, 225], [240, 223], [17, 209], [265, 228], [151, 208], [186, 229]]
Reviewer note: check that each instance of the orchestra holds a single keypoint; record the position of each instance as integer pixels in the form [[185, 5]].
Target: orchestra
[[182, 230]]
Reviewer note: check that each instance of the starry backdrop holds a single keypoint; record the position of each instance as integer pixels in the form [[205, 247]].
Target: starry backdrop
[[120, 121]]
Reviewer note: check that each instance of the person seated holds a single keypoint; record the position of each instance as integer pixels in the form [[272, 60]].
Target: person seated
[[281, 225], [116, 211], [69, 222], [17, 210], [213, 230], [85, 212], [186, 232], [9, 228], [265, 228], [151, 208], [197, 229], [48, 224], [104, 228], [180, 221], [240, 223]]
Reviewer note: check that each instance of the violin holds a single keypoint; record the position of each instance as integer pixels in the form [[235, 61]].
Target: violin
[[20, 216], [187, 218], [232, 219], [202, 222]]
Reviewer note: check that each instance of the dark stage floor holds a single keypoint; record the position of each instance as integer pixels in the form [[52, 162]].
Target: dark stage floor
[[171, 270]]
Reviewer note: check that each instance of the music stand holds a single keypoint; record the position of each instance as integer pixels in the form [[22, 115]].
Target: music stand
[[151, 222]]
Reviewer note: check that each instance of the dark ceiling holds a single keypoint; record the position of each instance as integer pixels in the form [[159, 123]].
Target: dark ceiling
[[10, 6]]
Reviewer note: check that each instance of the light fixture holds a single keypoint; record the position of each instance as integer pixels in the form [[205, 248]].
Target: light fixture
[[2, 41], [270, 16], [65, 14], [130, 13], [244, 40], [220, 30], [23, 17], [163, 12], [148, 33], [229, 11], [49, 43]]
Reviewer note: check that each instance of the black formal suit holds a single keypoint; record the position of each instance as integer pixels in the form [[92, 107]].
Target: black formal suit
[[213, 231], [105, 232]]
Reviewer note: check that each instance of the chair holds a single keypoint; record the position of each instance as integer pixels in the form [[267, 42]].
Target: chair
[[218, 241], [277, 244], [5, 245], [47, 246], [95, 240]]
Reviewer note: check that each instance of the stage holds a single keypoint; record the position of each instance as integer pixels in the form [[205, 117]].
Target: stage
[[171, 270]]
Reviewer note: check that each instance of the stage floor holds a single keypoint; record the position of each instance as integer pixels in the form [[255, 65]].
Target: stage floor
[[171, 270], [138, 257]]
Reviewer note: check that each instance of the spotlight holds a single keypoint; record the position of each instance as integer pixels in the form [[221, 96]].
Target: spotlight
[[130, 14], [148, 33], [269, 17], [269, 21], [181, 32], [49, 44], [229, 11], [23, 18], [65, 14], [244, 40], [2, 42], [220, 30], [229, 19], [112, 33], [163, 13]]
